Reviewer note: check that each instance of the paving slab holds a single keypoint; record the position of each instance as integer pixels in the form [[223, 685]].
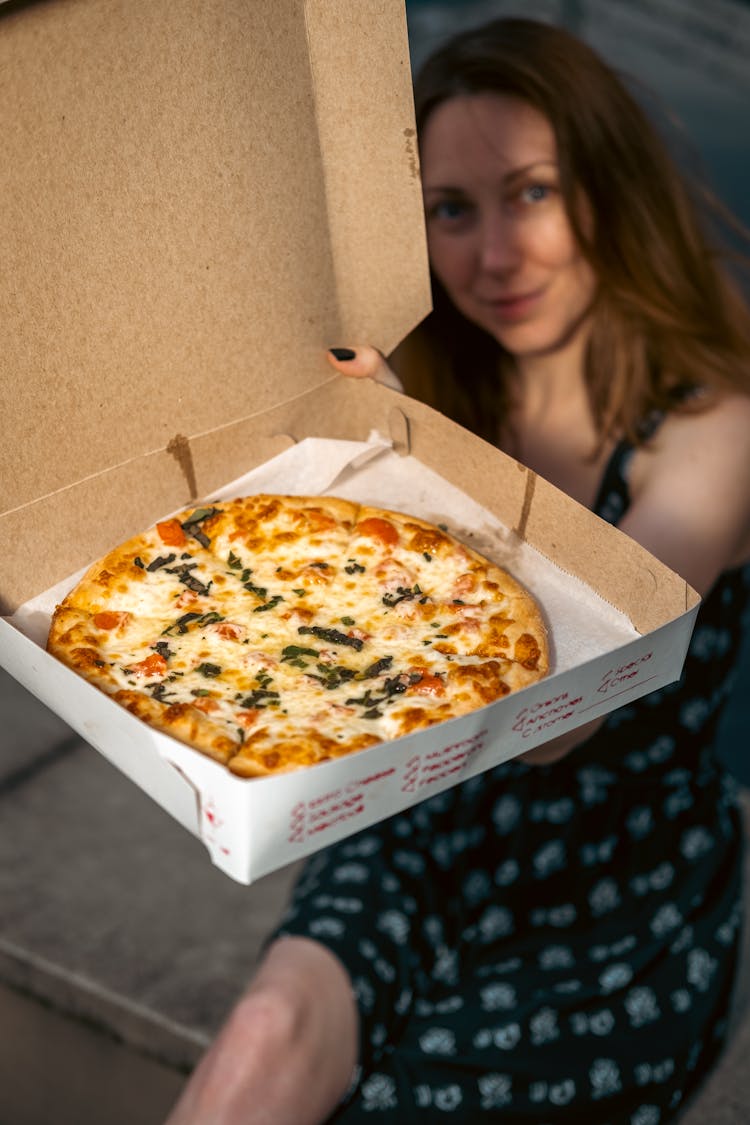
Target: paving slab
[[112, 912], [29, 732]]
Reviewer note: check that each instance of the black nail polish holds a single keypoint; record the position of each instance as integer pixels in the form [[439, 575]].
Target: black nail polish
[[342, 353]]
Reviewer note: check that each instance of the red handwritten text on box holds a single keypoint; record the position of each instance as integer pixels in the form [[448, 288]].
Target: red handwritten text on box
[[545, 714], [436, 765], [624, 674], [338, 805]]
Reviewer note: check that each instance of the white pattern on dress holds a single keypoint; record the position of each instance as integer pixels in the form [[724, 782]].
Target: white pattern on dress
[[642, 1007], [495, 1090], [379, 1092], [605, 1079], [438, 1041]]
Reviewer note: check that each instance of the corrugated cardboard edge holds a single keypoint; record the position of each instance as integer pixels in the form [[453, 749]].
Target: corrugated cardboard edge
[[345, 94]]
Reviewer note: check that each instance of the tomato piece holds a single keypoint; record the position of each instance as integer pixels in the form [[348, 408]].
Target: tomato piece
[[205, 704], [429, 684], [109, 619], [229, 630], [376, 528], [153, 665], [171, 533], [247, 717]]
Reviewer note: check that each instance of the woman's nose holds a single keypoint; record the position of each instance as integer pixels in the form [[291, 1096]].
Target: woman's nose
[[500, 249]]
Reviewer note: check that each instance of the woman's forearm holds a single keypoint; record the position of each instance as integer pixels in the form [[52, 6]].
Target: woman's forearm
[[287, 1052]]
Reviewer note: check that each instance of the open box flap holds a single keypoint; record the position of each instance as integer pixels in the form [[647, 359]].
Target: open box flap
[[197, 200], [619, 569]]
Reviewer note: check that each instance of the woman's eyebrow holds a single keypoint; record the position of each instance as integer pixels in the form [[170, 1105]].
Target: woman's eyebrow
[[512, 174], [444, 189], [525, 169]]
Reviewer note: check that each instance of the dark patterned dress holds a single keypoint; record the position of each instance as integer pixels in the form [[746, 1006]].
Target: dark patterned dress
[[556, 944]]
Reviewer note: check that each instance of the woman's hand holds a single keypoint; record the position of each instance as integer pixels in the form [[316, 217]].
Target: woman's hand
[[364, 363], [558, 748]]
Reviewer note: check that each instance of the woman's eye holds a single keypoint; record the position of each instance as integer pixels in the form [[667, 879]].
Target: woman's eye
[[448, 210], [535, 193]]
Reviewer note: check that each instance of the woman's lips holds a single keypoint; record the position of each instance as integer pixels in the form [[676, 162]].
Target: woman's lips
[[514, 307]]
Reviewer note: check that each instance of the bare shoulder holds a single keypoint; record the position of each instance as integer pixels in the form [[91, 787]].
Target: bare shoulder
[[690, 490], [711, 443]]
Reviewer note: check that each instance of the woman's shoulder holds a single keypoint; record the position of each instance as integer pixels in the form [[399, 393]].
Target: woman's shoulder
[[715, 433], [691, 482]]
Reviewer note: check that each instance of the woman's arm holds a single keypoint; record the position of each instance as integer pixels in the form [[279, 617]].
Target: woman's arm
[[287, 1052]]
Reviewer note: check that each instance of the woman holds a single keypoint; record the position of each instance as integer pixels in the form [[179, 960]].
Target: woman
[[554, 941]]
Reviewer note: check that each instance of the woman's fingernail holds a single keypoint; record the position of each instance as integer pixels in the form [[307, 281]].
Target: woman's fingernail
[[342, 353]]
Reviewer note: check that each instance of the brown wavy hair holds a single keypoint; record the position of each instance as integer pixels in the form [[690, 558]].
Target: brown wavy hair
[[668, 317]]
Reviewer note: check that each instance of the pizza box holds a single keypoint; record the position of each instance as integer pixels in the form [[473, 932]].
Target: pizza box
[[198, 200]]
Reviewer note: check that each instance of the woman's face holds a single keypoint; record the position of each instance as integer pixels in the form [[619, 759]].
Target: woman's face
[[499, 238]]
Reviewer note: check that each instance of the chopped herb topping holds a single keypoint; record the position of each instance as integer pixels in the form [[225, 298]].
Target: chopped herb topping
[[294, 652], [354, 568], [269, 604], [200, 691], [261, 697], [211, 617], [394, 685], [192, 527], [259, 591], [299, 592], [403, 594], [346, 620], [163, 649], [188, 579], [181, 624], [233, 562], [162, 560], [138, 561], [333, 675], [333, 636], [427, 556], [158, 691], [201, 514], [377, 668], [209, 670]]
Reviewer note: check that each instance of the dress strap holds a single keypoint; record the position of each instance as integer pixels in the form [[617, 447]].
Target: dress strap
[[613, 497]]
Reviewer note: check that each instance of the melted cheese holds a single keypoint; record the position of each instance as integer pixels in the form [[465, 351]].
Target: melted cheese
[[302, 629]]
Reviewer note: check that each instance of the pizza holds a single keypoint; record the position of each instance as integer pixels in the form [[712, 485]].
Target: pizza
[[275, 632]]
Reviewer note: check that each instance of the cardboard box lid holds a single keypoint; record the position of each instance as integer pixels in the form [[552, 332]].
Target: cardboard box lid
[[198, 199]]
